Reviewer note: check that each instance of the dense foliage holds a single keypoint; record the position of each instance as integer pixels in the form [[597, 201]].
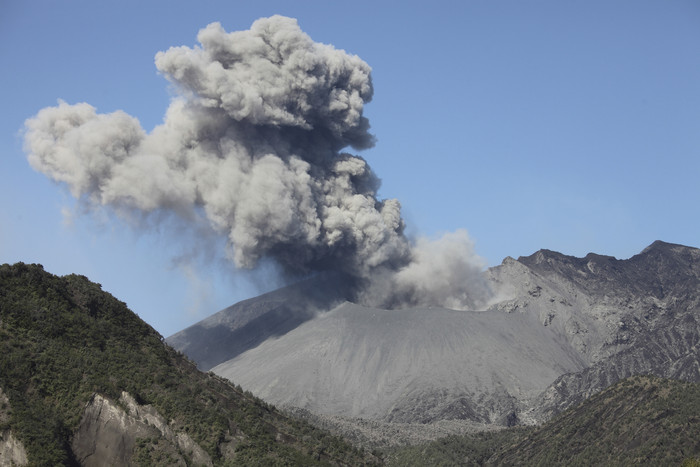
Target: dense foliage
[[472, 449], [642, 420], [63, 339]]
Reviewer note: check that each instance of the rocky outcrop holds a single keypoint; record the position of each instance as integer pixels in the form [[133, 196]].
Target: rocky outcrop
[[110, 434], [12, 451]]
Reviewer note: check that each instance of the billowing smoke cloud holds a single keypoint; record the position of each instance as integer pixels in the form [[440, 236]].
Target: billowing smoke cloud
[[253, 143]]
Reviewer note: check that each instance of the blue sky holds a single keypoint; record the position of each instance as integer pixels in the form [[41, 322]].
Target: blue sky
[[572, 126]]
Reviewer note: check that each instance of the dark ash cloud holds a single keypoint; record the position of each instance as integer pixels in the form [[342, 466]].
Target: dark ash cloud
[[254, 142]]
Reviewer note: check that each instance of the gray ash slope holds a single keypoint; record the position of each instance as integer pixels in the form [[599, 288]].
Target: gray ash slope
[[405, 365], [248, 323], [561, 329]]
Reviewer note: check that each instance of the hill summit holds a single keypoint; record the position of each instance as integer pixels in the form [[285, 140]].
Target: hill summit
[[84, 381]]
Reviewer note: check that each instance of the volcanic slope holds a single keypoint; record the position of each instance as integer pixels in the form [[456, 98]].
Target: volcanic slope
[[415, 365], [559, 330]]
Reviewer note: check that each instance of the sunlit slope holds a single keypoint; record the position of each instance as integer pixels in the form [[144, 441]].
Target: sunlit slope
[[410, 365]]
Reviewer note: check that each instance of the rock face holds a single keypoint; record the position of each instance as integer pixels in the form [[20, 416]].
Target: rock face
[[12, 451], [649, 309], [108, 434], [561, 329]]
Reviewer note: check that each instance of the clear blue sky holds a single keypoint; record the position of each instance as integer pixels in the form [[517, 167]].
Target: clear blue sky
[[572, 126]]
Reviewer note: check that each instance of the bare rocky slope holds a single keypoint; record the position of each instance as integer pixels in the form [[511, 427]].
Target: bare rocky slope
[[559, 330]]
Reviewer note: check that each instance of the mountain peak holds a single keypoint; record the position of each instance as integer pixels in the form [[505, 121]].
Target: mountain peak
[[542, 256], [661, 246]]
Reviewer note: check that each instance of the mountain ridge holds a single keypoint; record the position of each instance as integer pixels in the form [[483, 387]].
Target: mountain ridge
[[591, 309]]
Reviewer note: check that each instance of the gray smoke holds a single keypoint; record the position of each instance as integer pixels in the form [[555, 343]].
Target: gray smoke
[[252, 142]]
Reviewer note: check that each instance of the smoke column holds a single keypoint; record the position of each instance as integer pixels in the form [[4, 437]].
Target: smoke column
[[253, 143]]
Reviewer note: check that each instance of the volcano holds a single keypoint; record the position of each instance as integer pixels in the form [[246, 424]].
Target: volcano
[[559, 329]]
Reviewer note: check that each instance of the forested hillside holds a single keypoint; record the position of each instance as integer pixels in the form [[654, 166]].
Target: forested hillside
[[70, 351], [642, 420]]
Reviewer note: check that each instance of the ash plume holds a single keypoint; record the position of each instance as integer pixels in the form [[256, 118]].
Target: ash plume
[[253, 143]]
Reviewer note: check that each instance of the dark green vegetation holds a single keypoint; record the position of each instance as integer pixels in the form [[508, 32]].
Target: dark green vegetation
[[640, 420], [472, 449], [63, 339]]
